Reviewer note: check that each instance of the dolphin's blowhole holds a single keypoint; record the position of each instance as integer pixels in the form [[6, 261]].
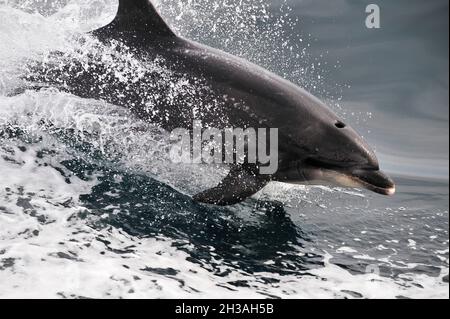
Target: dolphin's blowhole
[[340, 125]]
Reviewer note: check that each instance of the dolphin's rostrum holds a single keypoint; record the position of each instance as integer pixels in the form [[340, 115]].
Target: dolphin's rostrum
[[315, 146]]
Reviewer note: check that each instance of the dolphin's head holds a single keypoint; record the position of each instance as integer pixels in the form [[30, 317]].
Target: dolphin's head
[[326, 150]]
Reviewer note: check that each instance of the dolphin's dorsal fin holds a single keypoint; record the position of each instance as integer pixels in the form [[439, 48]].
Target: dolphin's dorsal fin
[[137, 16]]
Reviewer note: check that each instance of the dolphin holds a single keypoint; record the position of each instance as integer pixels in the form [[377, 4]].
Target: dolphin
[[221, 90]]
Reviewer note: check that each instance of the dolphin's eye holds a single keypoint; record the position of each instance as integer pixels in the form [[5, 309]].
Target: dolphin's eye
[[340, 124]]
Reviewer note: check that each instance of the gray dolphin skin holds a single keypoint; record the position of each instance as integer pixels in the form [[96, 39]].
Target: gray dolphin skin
[[315, 146]]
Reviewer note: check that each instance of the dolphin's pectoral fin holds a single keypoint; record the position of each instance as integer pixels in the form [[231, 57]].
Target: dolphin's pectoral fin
[[241, 183], [136, 15]]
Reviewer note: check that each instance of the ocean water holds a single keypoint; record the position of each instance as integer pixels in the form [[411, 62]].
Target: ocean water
[[90, 206]]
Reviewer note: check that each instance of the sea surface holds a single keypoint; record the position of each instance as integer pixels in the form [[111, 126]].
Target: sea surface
[[90, 206]]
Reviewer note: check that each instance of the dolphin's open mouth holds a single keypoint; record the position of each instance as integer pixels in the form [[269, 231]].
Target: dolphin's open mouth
[[371, 179]]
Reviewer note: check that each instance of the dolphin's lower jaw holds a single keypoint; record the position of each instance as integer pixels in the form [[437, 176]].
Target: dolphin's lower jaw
[[376, 181], [369, 178], [373, 180]]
